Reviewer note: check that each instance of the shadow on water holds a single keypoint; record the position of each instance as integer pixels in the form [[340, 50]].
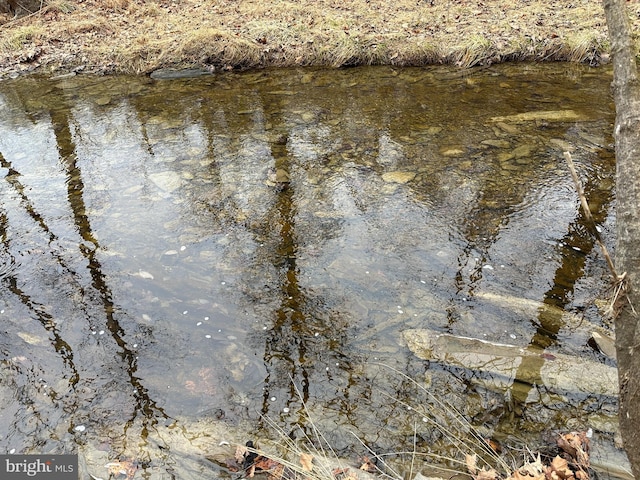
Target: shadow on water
[[179, 255]]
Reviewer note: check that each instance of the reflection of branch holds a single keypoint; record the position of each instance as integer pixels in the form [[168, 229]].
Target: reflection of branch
[[47, 321], [12, 179], [75, 198], [49, 324]]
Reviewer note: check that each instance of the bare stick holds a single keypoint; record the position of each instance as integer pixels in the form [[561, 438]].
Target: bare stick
[[587, 214]]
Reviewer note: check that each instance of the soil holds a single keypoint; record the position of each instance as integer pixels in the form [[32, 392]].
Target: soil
[[140, 36]]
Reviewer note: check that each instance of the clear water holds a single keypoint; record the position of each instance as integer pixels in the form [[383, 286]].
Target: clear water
[[184, 259]]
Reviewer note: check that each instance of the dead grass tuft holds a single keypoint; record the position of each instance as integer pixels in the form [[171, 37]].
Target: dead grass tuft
[[475, 50], [211, 46], [21, 37], [433, 413], [205, 33]]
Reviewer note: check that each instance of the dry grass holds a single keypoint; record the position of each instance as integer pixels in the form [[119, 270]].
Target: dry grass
[[434, 414], [134, 36]]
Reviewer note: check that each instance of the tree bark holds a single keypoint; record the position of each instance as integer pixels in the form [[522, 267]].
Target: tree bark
[[626, 91]]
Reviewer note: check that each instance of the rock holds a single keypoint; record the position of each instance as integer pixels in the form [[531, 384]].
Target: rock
[[522, 151], [605, 344], [510, 129], [505, 157], [398, 177], [509, 364], [563, 145], [496, 143], [451, 151], [167, 181], [542, 115], [278, 177]]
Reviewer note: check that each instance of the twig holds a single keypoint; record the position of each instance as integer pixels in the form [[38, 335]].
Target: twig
[[587, 214], [620, 281]]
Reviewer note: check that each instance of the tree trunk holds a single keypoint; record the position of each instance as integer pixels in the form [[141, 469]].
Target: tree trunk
[[626, 91]]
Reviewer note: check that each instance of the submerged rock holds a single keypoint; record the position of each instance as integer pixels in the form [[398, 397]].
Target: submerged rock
[[542, 115], [532, 366], [398, 177]]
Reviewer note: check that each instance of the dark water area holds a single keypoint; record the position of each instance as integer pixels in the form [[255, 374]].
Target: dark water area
[[196, 261]]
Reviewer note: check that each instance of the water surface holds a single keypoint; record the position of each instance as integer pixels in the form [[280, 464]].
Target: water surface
[[183, 259]]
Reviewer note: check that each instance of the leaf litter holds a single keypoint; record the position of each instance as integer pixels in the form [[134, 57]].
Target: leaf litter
[[571, 463]]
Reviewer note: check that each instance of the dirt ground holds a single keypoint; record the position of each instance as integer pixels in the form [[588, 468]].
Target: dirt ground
[[140, 36]]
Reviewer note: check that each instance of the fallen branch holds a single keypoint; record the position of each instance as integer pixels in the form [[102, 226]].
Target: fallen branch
[[587, 213], [620, 281]]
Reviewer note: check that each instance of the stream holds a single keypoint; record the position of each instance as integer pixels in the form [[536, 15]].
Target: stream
[[193, 262]]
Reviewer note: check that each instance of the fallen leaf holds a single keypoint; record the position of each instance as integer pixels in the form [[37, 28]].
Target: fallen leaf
[[277, 473], [485, 474], [560, 467], [576, 445], [264, 463], [472, 463], [339, 471], [494, 445], [126, 468], [533, 469], [582, 475], [368, 465], [306, 460], [241, 451], [519, 475]]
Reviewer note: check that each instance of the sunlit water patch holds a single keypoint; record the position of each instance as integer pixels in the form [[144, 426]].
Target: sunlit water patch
[[177, 254]]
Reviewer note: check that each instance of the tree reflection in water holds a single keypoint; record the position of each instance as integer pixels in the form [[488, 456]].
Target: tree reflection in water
[[404, 208]]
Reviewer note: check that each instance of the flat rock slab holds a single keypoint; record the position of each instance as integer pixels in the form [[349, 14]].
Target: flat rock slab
[[398, 177], [542, 115], [532, 366]]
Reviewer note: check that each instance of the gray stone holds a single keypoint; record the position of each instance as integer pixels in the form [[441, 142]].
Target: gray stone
[[531, 366]]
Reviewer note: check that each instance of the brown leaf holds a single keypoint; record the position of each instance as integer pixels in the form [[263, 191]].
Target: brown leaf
[[306, 460], [264, 463], [560, 467], [485, 474], [519, 475], [494, 445], [533, 469], [574, 441], [582, 475], [124, 467], [241, 451], [277, 472], [368, 465], [576, 445]]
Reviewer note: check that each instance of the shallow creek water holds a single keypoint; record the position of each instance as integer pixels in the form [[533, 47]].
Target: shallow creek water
[[202, 260]]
